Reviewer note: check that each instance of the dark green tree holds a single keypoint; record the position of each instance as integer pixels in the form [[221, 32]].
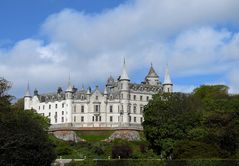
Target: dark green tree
[[23, 134], [205, 121]]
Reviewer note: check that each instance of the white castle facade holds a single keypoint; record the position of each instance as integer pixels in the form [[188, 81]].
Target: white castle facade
[[121, 104]]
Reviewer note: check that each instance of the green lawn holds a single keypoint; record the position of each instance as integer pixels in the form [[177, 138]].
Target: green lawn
[[94, 135]]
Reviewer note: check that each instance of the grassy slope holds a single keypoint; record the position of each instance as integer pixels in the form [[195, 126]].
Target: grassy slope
[[94, 147], [94, 135]]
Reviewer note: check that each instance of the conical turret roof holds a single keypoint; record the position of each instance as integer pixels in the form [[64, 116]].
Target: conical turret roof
[[105, 91], [124, 75], [69, 87], [152, 72], [167, 79], [27, 94]]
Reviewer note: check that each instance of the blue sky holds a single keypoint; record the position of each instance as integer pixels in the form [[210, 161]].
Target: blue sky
[[44, 40]]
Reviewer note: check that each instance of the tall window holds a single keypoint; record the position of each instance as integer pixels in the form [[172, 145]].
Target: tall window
[[82, 119], [56, 106], [62, 112], [100, 118], [62, 105], [93, 118], [134, 97], [141, 98], [49, 106], [141, 109], [96, 97], [111, 108], [134, 119], [129, 118], [74, 118], [62, 119], [49, 115], [141, 119], [147, 98], [128, 108], [74, 108], [111, 118], [135, 107], [82, 109], [43, 107], [97, 108], [55, 117]]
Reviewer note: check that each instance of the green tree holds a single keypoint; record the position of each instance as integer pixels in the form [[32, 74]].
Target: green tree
[[167, 119], [23, 134], [206, 120]]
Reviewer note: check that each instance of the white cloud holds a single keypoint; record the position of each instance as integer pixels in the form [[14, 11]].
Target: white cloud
[[190, 35]]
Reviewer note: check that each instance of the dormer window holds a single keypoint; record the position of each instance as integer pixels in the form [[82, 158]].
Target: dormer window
[[96, 97]]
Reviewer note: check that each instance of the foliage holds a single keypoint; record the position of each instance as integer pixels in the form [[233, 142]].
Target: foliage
[[122, 151], [23, 134], [19, 105], [5, 98], [143, 162], [192, 125]]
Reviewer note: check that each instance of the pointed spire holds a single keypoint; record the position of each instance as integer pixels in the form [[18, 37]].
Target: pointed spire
[[124, 75], [88, 91], [167, 79], [105, 91], [70, 87], [82, 87], [27, 94]]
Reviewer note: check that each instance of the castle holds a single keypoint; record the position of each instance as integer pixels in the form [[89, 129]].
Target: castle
[[121, 104]]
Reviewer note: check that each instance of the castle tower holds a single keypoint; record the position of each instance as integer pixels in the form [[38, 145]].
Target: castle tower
[[124, 95], [88, 94], [152, 78], [167, 85], [27, 98], [69, 100], [105, 93]]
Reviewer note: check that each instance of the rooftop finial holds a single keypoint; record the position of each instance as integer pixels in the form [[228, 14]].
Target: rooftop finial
[[69, 79]]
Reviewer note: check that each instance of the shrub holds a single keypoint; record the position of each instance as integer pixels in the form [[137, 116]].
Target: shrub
[[122, 150]]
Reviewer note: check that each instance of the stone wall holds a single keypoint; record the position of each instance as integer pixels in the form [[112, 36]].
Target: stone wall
[[66, 136], [129, 135]]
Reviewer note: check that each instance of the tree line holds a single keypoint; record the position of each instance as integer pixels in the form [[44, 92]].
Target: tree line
[[202, 124]]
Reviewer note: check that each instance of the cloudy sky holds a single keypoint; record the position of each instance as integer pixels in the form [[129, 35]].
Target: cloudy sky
[[43, 41]]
